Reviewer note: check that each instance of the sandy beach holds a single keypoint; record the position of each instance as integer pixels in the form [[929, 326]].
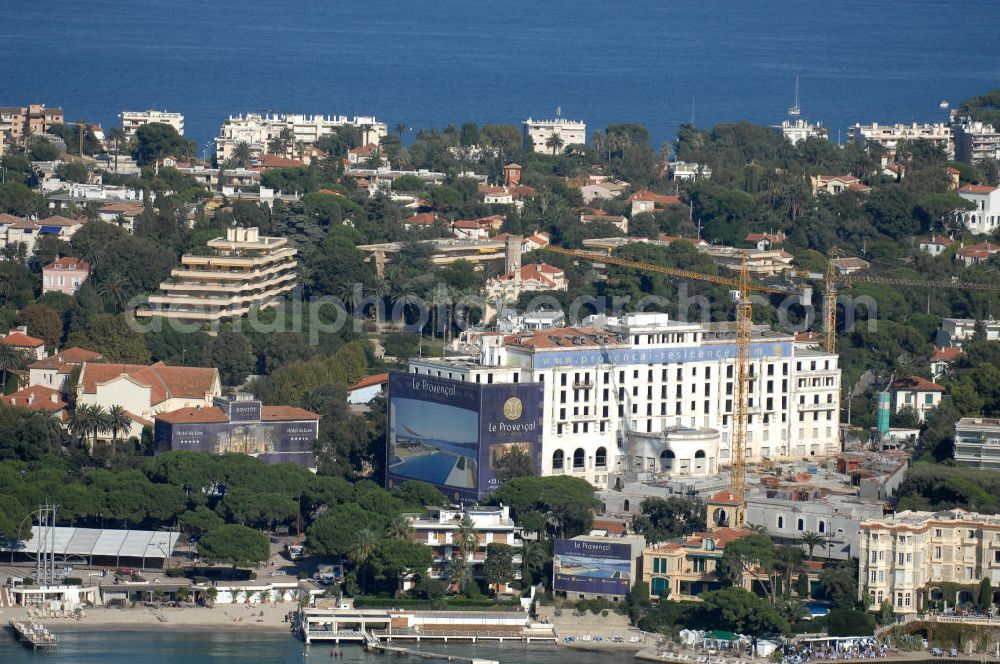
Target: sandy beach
[[222, 617]]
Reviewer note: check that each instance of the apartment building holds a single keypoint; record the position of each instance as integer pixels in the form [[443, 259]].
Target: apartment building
[[648, 373], [976, 141], [442, 528], [257, 129], [889, 136], [904, 556], [242, 271], [132, 120], [977, 442], [986, 215], [955, 331], [535, 133], [19, 122]]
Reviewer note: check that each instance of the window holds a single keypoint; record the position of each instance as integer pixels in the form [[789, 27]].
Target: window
[[557, 460], [801, 524], [781, 522], [601, 457], [666, 461], [578, 458], [822, 526]]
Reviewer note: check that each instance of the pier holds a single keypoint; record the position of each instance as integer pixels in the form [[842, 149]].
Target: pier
[[33, 635], [373, 644]]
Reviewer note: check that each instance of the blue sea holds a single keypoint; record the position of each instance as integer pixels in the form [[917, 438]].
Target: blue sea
[[428, 63], [176, 647]]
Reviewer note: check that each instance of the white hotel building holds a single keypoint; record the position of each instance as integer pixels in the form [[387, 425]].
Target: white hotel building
[[256, 130], [132, 120], [606, 384], [535, 133]]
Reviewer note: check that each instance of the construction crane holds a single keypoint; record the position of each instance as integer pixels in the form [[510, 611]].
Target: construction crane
[[834, 283], [742, 289]]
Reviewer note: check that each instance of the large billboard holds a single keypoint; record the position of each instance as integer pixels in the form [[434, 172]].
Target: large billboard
[[453, 434], [272, 442], [586, 566]]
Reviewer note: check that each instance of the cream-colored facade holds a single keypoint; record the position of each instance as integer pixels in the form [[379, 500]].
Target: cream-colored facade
[[903, 556], [242, 271]]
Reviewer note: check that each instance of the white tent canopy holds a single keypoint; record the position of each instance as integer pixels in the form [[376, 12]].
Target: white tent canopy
[[90, 542]]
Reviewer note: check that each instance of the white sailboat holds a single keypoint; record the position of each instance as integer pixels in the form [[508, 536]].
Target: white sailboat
[[794, 110]]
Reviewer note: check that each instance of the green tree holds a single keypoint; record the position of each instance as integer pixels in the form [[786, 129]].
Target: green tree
[[739, 610], [157, 140], [840, 584], [394, 560], [498, 568], [554, 142], [811, 540], [984, 598], [469, 134], [111, 336], [850, 622], [200, 520], [235, 545], [361, 549], [515, 463], [744, 556], [117, 422], [232, 354], [666, 518]]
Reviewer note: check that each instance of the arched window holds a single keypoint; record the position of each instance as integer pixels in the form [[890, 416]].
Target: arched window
[[557, 460], [626, 505], [667, 461], [601, 457], [700, 454], [781, 522], [578, 458], [822, 526], [699, 460]]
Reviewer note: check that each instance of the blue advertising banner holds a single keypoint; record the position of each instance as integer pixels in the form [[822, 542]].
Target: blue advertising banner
[[453, 434], [600, 568], [589, 357]]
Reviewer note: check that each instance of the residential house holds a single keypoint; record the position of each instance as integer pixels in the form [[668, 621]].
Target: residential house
[[954, 178], [54, 371], [683, 570], [986, 215], [646, 201], [493, 195], [682, 170], [266, 161], [917, 393], [600, 189], [936, 245], [366, 389], [836, 184], [529, 243], [420, 220], [64, 275], [39, 399], [800, 129], [31, 346], [849, 265], [122, 213], [941, 360], [976, 253], [530, 278], [468, 230], [618, 221], [765, 240], [145, 391], [362, 155], [512, 175], [442, 530]]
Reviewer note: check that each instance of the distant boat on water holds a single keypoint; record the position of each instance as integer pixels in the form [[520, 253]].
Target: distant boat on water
[[794, 110], [944, 104]]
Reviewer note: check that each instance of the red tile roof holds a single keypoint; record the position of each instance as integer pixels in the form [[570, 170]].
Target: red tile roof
[[939, 239], [977, 189], [59, 220], [275, 161], [21, 340], [915, 384], [212, 414], [66, 359], [285, 413], [36, 397], [949, 354], [67, 263], [368, 381], [656, 199], [464, 223], [566, 337], [421, 219], [770, 237], [10, 219], [725, 496], [165, 382], [981, 250]]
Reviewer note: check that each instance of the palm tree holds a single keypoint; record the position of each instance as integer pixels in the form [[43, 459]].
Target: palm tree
[[114, 290], [400, 528], [533, 558], [361, 550], [79, 422], [401, 129], [554, 142], [118, 421], [811, 540], [99, 422], [374, 159], [466, 537], [11, 359], [241, 155], [459, 574], [365, 130], [118, 136]]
